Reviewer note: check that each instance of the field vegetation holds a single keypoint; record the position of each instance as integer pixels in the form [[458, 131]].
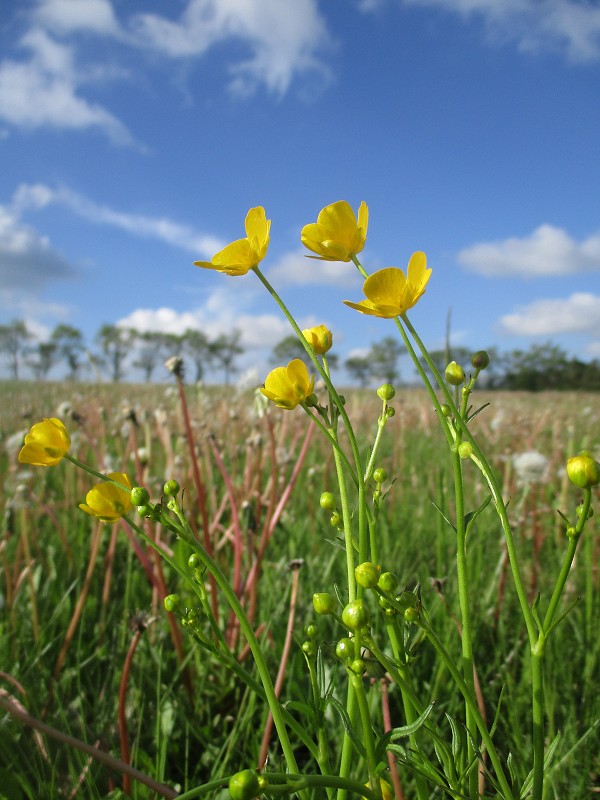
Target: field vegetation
[[88, 651]]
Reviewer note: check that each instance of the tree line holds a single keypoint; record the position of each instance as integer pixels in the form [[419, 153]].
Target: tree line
[[115, 350]]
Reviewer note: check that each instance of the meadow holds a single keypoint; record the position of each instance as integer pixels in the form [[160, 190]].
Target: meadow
[[88, 650]]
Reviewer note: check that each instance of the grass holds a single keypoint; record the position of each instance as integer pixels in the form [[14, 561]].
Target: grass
[[78, 596]]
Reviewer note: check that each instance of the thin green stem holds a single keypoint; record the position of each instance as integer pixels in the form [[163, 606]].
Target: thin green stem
[[367, 730]]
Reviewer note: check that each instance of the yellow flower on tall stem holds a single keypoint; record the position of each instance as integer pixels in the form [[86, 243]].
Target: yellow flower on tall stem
[[46, 444], [244, 254], [288, 386], [107, 501], [390, 292], [337, 235]]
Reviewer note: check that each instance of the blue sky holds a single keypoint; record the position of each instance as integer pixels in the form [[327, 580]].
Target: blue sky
[[135, 135]]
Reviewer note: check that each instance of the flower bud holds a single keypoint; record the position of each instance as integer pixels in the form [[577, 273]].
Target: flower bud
[[194, 561], [324, 603], [367, 574], [310, 630], [171, 488], [386, 392], [139, 496], [455, 374], [355, 615], [358, 666], [171, 602], [344, 649], [390, 412], [244, 785], [465, 450], [319, 338], [327, 501], [380, 475], [336, 520], [446, 410], [480, 359], [583, 470], [308, 649], [387, 582]]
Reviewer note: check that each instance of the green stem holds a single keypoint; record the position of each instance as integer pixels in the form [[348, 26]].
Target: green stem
[[347, 745], [367, 730], [283, 783]]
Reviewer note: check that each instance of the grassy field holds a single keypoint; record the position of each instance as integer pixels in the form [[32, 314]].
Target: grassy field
[[87, 648]]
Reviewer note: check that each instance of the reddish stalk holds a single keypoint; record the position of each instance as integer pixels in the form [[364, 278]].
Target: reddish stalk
[[264, 747], [125, 753], [200, 490], [17, 712], [387, 726]]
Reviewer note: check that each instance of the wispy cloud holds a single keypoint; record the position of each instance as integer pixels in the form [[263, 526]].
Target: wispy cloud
[[43, 91], [283, 38], [38, 196], [295, 269], [546, 251], [579, 313], [567, 26], [28, 259]]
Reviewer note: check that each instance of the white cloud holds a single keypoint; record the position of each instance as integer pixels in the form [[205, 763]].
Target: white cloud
[[546, 251], [283, 38], [568, 26], [42, 91], [38, 196], [66, 16], [295, 269], [579, 313], [28, 259]]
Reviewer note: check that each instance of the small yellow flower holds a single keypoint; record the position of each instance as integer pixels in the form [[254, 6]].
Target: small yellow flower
[[45, 444], [390, 293], [387, 793], [337, 235], [107, 501], [288, 386], [243, 254], [319, 338]]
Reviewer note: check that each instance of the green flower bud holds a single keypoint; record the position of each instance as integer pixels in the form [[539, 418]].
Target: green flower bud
[[356, 615], [480, 359], [367, 574], [336, 520], [308, 648], [446, 410], [383, 602], [580, 509], [583, 470], [324, 603], [358, 666], [244, 785], [377, 495], [194, 561], [390, 411], [263, 783], [327, 501], [171, 602], [310, 630], [411, 614], [380, 475], [465, 450], [455, 374], [171, 488], [386, 392], [344, 649], [139, 496], [387, 582]]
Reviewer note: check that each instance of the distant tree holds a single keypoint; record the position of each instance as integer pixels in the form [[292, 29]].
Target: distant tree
[[197, 346], [41, 358], [148, 352], [69, 347], [115, 344], [288, 349], [543, 366], [13, 342], [225, 348], [383, 359], [359, 368]]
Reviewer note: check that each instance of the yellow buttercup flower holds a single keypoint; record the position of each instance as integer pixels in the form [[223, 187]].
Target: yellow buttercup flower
[[243, 254], [390, 293], [45, 444], [337, 235], [319, 338], [288, 386], [107, 501]]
